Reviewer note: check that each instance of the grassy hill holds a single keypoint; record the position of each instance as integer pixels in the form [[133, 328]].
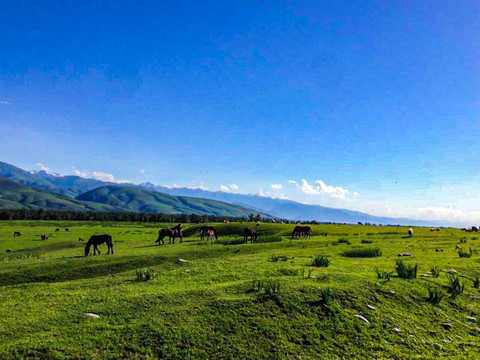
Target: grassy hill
[[136, 199], [245, 301], [17, 196]]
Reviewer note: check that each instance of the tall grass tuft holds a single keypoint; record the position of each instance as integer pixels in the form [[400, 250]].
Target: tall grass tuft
[[145, 274], [365, 241], [381, 274], [455, 286], [435, 271], [363, 252], [275, 258], [465, 254], [406, 271], [435, 294], [321, 261], [343, 241], [326, 296]]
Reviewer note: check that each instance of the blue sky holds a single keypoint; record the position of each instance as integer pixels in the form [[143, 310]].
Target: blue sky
[[376, 98]]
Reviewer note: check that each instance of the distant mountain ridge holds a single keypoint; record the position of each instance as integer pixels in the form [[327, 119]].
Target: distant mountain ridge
[[74, 186], [134, 198]]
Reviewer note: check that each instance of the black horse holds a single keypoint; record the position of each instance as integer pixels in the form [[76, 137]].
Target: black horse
[[250, 232], [17, 233], [66, 229], [172, 233], [302, 232], [98, 240], [57, 230], [205, 232]]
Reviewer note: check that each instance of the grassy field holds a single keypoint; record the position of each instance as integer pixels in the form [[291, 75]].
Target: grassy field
[[243, 301]]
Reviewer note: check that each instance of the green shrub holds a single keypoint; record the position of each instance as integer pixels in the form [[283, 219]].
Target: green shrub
[[382, 274], [321, 261], [365, 241], [269, 287], [275, 258], [406, 271], [463, 240], [343, 241], [435, 271], [455, 286], [363, 252], [145, 274], [272, 287], [435, 294], [230, 240], [465, 254]]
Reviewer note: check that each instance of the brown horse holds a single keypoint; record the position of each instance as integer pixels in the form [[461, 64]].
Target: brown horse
[[302, 232], [250, 232], [172, 233], [44, 237], [98, 240], [206, 231]]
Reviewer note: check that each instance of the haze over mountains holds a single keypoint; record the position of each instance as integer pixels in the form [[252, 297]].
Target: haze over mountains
[[147, 197]]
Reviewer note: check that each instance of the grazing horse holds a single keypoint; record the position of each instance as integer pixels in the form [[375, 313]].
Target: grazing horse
[[302, 232], [162, 233], [410, 232], [211, 236], [66, 229], [17, 233], [205, 232], [57, 230], [250, 232], [80, 239], [44, 237], [98, 240], [178, 232]]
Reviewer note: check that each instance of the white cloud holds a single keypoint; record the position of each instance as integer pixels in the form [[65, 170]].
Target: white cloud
[[293, 182], [43, 167], [333, 191], [450, 214], [5, 103], [261, 193], [233, 186], [224, 188], [77, 172], [277, 186], [142, 171], [355, 194], [100, 175]]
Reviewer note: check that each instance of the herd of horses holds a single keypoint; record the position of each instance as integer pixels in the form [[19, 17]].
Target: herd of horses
[[208, 233]]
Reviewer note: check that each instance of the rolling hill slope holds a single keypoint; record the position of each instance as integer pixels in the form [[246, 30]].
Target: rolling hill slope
[[133, 198], [17, 196]]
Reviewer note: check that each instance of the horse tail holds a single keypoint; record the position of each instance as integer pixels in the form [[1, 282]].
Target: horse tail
[[215, 233]]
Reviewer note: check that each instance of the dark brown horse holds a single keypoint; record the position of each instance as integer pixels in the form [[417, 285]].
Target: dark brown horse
[[206, 231], [172, 233], [98, 240], [250, 232], [302, 232], [44, 237]]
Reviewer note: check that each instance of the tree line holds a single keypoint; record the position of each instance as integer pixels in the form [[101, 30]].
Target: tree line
[[61, 215], [42, 214]]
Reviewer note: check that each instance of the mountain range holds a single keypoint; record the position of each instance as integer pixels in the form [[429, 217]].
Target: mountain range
[[147, 197]]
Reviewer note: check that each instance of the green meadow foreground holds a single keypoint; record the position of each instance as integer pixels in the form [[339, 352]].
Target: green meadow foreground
[[235, 301]]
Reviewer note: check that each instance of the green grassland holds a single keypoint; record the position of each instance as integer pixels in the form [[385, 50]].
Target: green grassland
[[243, 301]]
